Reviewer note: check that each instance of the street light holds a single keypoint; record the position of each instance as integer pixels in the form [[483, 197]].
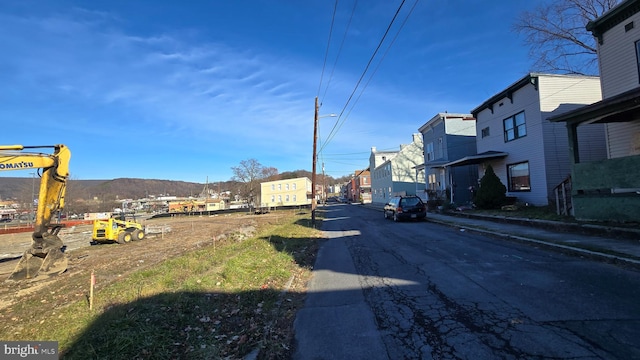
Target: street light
[[314, 202]]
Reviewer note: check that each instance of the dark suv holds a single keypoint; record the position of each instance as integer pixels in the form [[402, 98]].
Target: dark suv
[[405, 207]]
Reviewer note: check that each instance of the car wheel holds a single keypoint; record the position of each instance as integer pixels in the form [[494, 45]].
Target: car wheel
[[395, 217], [385, 214]]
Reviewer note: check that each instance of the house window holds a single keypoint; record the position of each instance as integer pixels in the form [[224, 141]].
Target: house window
[[294, 198], [429, 151], [280, 198], [519, 177], [432, 182], [286, 198], [273, 186], [485, 132], [514, 127], [628, 27], [286, 186], [279, 186], [273, 198], [294, 186]]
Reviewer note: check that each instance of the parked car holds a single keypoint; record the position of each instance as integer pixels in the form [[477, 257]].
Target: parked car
[[5, 219], [405, 208]]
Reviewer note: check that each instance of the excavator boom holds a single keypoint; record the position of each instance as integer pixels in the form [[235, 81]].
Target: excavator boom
[[45, 256]]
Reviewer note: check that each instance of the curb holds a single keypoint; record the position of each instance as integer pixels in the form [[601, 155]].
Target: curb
[[585, 229], [552, 245]]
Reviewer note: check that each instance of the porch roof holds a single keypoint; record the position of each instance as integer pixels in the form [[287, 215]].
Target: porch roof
[[436, 163], [620, 108], [477, 159]]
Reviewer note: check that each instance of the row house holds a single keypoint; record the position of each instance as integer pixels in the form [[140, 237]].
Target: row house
[[358, 189], [394, 173], [526, 150], [447, 137], [288, 192], [609, 188]]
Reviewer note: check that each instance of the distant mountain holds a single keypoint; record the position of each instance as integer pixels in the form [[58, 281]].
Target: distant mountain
[[21, 188], [124, 188]]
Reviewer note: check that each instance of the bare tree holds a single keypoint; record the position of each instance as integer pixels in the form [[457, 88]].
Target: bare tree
[[249, 172], [557, 36], [269, 173]]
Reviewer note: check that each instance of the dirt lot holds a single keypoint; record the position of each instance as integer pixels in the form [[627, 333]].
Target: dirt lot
[[172, 237]]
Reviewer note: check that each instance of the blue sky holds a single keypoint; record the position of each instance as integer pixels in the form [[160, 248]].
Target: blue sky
[[185, 90]]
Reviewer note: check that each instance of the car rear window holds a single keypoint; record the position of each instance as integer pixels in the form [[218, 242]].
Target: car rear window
[[410, 201]]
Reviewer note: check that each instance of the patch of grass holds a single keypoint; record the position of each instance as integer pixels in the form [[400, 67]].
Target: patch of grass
[[221, 301], [548, 213], [527, 212]]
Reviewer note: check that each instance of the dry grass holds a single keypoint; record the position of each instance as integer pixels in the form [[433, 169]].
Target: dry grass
[[220, 296]]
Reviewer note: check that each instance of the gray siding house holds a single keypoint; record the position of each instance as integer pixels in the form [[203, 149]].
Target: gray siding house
[[609, 189], [447, 137], [527, 151]]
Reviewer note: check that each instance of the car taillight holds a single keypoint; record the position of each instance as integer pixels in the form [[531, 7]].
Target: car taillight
[[399, 209]]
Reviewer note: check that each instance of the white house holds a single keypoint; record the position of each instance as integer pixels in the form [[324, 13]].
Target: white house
[[610, 189], [528, 152], [393, 173]]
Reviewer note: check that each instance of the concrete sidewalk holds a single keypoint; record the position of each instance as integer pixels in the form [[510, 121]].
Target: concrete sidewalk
[[609, 243]]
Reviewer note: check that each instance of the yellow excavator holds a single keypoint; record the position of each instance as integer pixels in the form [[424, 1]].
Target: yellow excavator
[[46, 256]]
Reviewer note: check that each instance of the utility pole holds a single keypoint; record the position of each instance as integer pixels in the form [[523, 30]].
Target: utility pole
[[313, 171]]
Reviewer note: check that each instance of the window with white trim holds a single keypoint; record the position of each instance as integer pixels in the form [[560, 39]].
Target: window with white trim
[[429, 152], [432, 183]]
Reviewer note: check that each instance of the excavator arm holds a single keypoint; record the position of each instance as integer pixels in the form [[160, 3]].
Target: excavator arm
[[45, 257]]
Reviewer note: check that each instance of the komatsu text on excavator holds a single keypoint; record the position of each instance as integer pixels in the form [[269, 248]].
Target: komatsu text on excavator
[[46, 256]]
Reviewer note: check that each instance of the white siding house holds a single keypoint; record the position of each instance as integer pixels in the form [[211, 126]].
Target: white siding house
[[394, 172], [528, 152], [618, 53], [610, 189]]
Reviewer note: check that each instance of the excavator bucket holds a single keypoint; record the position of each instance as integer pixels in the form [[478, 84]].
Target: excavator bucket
[[45, 258]]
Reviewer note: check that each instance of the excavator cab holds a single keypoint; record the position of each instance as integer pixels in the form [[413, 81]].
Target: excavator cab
[[46, 255]]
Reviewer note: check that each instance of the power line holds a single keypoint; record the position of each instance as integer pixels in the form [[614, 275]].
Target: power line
[[344, 37], [368, 64], [340, 121], [326, 53]]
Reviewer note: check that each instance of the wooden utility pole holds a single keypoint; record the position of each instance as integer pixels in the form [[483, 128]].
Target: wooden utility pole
[[313, 170]]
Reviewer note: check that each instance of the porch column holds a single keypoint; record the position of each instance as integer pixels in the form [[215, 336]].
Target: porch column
[[574, 151]]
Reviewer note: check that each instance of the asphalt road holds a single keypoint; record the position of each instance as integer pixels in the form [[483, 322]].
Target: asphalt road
[[420, 290]]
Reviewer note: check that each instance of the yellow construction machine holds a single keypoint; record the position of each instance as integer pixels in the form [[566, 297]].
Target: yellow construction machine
[[45, 257], [121, 230]]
